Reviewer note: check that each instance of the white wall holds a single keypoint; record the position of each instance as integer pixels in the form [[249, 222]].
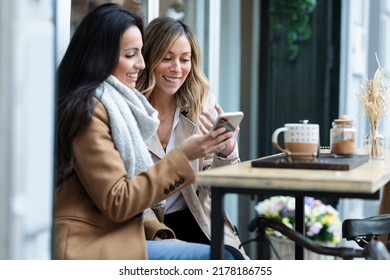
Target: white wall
[[26, 128], [365, 30]]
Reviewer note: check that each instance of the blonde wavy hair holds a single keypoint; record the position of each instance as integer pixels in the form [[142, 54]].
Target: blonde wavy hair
[[160, 35]]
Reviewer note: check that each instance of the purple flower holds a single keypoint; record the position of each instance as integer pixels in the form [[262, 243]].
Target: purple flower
[[314, 228], [309, 200]]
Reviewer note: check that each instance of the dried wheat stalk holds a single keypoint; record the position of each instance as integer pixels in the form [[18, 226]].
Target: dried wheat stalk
[[374, 98]]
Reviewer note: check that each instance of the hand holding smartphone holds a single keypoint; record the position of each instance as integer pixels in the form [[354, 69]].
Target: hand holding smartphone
[[229, 120]]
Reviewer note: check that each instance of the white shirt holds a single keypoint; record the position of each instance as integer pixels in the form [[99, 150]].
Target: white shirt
[[175, 202]]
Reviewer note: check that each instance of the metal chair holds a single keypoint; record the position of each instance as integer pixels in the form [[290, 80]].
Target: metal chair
[[363, 231]]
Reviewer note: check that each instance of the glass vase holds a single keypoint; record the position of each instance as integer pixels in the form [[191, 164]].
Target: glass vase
[[374, 143]]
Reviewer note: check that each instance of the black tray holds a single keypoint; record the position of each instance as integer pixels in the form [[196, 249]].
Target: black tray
[[323, 161]]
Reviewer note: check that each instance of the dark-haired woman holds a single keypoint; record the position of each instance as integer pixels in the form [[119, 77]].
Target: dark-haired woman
[[106, 178]]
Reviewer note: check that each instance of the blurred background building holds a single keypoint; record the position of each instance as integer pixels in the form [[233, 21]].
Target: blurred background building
[[244, 59]]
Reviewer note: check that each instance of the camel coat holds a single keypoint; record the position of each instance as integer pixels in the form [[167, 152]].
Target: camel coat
[[198, 198], [98, 213]]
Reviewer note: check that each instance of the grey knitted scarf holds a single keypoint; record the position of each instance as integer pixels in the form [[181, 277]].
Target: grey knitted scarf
[[133, 123]]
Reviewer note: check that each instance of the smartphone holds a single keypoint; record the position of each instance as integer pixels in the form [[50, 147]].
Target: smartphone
[[229, 120]]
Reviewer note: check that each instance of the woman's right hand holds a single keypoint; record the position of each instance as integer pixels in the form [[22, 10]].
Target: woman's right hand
[[198, 146]]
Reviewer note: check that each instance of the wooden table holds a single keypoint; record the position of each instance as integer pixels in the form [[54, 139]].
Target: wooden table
[[364, 181]]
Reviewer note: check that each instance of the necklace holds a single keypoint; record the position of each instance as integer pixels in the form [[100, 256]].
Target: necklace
[[166, 119], [164, 137]]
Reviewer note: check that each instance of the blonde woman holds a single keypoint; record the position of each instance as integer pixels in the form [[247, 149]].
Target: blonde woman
[[175, 85]]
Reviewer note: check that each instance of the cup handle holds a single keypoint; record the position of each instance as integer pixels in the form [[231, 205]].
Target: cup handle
[[275, 139]]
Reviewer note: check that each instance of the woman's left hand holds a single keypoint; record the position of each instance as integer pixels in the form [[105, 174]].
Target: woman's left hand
[[207, 122]]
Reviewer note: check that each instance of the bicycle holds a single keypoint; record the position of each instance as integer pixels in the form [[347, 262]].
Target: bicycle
[[364, 232]]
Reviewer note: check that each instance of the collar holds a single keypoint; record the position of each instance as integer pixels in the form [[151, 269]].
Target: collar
[[183, 128]]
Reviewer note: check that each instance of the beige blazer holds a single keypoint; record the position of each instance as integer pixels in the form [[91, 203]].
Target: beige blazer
[[198, 198], [385, 200], [98, 213]]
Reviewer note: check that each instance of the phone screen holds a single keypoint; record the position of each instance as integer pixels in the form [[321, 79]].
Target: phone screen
[[228, 120], [224, 121]]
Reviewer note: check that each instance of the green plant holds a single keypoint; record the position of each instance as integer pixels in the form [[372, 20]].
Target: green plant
[[293, 18]]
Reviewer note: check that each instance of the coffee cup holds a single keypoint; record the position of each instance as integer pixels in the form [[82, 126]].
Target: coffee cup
[[301, 140]]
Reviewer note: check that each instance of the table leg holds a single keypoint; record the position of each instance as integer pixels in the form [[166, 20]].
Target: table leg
[[217, 224], [299, 224]]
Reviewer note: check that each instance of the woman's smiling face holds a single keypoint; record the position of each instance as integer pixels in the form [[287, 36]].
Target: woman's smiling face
[[131, 61], [173, 69]]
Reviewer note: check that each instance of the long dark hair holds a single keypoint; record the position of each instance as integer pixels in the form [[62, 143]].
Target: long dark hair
[[90, 58]]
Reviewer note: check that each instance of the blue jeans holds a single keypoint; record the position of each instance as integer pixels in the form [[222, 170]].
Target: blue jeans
[[172, 250]]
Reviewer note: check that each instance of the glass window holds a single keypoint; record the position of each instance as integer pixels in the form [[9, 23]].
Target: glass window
[[81, 7], [195, 13]]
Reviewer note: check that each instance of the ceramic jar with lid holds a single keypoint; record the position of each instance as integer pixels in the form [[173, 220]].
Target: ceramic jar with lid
[[343, 137]]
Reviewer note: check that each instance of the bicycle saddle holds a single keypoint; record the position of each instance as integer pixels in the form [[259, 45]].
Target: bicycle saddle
[[363, 230]]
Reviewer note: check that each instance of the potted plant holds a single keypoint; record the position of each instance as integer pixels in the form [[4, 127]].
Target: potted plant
[[292, 18], [322, 223]]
